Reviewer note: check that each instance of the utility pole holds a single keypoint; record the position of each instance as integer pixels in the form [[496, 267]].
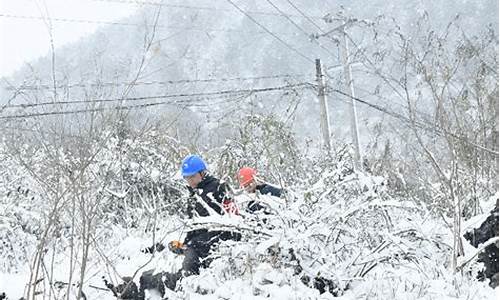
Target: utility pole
[[350, 90], [323, 108]]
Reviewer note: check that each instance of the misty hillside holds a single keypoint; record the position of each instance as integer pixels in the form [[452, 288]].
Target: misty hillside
[[198, 40]]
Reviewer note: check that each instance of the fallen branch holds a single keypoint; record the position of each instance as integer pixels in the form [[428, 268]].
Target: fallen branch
[[479, 250]]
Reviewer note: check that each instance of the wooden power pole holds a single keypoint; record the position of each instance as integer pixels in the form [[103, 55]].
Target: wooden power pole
[[323, 108]]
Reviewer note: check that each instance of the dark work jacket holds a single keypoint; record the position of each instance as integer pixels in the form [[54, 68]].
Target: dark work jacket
[[202, 239], [208, 185], [264, 189]]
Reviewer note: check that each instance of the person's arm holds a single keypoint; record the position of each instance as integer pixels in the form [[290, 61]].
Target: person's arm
[[271, 190], [190, 205], [221, 192], [227, 202]]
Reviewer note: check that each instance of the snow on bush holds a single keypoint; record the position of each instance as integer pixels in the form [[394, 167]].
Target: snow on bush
[[343, 228]]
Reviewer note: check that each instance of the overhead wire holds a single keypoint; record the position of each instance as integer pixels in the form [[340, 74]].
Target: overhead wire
[[300, 28], [192, 7], [180, 95], [114, 23], [99, 109], [305, 16], [347, 36], [226, 92], [270, 32], [391, 102], [419, 124], [377, 72], [191, 102], [155, 82]]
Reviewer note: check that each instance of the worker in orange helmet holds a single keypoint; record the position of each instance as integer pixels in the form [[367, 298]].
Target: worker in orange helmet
[[248, 180]]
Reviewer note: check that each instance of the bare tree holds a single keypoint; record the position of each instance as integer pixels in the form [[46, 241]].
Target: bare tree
[[447, 81]]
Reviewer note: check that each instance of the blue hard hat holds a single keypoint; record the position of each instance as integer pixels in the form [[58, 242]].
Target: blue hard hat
[[192, 164]]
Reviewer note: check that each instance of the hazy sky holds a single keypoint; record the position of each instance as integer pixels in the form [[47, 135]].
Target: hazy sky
[[24, 39]]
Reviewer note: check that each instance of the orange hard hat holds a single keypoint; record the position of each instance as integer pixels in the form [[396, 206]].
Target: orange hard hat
[[246, 175]]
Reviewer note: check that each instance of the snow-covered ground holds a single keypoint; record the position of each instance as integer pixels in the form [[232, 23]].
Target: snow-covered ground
[[371, 245]]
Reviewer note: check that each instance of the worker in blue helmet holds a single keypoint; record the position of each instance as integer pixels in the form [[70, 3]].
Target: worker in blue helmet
[[210, 189], [208, 196], [193, 170]]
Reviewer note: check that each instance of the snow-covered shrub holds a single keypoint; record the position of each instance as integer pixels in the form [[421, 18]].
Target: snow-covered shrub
[[142, 168], [347, 229], [266, 144], [344, 229]]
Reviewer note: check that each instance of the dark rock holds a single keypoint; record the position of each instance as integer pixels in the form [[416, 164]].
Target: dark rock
[[128, 289], [487, 230]]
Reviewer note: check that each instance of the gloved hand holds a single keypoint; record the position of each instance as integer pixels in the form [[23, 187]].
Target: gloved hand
[[158, 247], [176, 247]]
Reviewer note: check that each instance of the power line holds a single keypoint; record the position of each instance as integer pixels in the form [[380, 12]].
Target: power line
[[52, 113], [441, 131], [215, 93], [118, 108], [377, 71], [130, 107], [342, 27], [154, 82], [391, 102], [300, 28], [305, 16], [67, 20], [197, 7], [421, 125], [189, 102], [271, 33]]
